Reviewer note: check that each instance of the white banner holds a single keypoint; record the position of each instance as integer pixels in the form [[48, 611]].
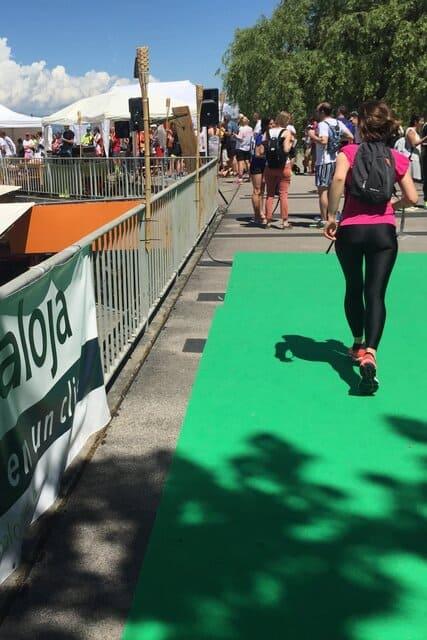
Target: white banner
[[52, 394]]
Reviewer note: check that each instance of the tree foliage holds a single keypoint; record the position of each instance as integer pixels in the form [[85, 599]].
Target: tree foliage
[[345, 51]]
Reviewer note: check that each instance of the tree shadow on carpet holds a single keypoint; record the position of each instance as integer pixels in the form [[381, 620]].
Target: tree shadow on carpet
[[275, 555], [331, 352], [260, 547]]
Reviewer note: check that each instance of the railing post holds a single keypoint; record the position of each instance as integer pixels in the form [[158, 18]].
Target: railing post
[[199, 98], [143, 70]]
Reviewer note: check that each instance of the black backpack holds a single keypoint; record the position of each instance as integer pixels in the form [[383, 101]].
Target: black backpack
[[373, 173], [334, 138], [276, 156]]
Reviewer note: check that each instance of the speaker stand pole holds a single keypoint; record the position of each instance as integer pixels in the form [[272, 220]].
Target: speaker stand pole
[[199, 98]]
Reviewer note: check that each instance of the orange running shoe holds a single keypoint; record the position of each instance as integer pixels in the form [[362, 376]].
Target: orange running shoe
[[356, 352], [368, 384]]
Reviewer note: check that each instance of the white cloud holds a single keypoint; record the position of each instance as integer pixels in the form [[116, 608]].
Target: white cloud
[[34, 88]]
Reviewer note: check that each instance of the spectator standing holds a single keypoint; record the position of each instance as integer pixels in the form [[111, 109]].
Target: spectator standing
[[176, 151], [99, 143], [3, 145], [243, 147], [8, 148], [115, 143], [307, 160], [342, 116], [354, 119], [39, 149], [256, 169], [231, 129], [413, 142], [56, 143], [87, 138], [161, 140], [66, 150], [28, 145], [257, 122], [328, 137], [278, 170], [20, 152], [424, 159]]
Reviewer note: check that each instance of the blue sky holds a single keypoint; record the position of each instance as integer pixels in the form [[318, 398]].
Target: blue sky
[[186, 38]]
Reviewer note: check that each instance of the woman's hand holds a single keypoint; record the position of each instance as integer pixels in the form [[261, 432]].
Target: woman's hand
[[330, 230]]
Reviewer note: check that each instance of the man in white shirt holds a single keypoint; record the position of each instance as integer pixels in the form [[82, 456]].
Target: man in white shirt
[[243, 147], [3, 146], [327, 137], [7, 145]]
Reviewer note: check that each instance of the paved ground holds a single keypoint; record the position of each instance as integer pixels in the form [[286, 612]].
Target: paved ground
[[82, 586]]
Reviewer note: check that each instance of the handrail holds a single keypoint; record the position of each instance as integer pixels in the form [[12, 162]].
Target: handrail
[[34, 273]]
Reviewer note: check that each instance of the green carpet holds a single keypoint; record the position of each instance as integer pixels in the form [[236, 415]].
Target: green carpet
[[296, 509]]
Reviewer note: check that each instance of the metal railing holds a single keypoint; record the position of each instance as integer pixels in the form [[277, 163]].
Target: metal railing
[[92, 178], [135, 260]]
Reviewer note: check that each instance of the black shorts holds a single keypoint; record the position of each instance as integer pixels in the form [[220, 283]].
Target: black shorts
[[243, 155], [256, 168]]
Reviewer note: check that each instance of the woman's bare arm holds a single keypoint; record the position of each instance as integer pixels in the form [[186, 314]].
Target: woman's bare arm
[[409, 192], [337, 187]]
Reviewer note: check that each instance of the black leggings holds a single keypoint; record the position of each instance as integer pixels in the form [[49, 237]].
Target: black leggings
[[364, 297]]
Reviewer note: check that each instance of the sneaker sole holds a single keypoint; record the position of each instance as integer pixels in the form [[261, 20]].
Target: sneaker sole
[[368, 384]]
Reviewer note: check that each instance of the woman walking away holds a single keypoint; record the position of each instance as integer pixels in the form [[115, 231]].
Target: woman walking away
[[367, 231], [278, 142], [256, 169]]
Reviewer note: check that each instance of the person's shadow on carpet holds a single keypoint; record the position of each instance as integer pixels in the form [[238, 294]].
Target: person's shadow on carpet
[[332, 352]]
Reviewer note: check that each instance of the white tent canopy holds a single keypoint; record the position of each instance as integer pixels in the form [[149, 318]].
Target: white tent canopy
[[11, 120], [114, 104], [15, 124]]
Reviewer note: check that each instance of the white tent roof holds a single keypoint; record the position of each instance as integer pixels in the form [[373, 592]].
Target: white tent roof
[[11, 120], [11, 212], [7, 189], [114, 104]]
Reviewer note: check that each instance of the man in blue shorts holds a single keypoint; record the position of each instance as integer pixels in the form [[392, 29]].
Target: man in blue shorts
[[327, 137]]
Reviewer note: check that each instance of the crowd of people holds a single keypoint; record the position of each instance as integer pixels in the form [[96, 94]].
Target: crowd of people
[[248, 151], [361, 155], [164, 142]]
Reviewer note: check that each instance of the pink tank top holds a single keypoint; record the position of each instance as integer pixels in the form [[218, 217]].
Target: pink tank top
[[357, 212]]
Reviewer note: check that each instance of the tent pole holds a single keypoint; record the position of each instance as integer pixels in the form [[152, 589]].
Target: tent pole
[[79, 122], [143, 69]]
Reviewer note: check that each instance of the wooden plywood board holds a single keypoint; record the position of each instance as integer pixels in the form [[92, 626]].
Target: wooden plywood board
[[184, 128]]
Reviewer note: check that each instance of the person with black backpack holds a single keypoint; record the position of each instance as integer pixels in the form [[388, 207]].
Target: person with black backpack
[[328, 138], [278, 142], [367, 230]]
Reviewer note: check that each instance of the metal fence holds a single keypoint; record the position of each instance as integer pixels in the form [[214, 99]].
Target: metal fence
[[135, 260], [92, 178]]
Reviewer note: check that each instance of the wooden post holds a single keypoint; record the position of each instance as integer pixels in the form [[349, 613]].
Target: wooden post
[[143, 74], [199, 98]]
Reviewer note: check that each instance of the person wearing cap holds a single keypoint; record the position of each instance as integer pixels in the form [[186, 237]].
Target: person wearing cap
[[87, 138]]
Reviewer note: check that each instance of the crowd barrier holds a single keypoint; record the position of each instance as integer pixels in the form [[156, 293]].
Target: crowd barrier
[[66, 325], [92, 178]]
